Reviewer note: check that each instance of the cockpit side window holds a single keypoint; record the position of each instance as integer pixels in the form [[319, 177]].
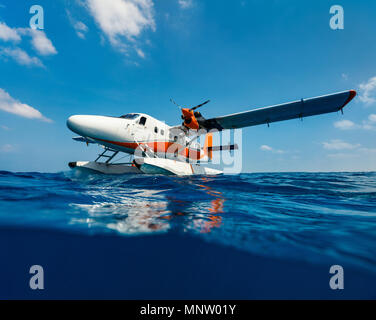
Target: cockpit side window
[[142, 121], [130, 116]]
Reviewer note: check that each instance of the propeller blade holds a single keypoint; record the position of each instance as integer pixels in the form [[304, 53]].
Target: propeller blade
[[200, 105], [174, 103]]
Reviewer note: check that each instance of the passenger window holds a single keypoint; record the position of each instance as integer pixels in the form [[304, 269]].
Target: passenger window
[[162, 132], [142, 121], [156, 129]]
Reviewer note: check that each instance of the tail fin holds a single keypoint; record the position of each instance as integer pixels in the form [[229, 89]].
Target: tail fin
[[208, 145]]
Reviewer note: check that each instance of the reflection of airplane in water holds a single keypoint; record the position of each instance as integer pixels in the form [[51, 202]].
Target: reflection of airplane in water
[[206, 216], [150, 211]]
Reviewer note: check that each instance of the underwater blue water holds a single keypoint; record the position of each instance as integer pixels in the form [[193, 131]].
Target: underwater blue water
[[318, 219]]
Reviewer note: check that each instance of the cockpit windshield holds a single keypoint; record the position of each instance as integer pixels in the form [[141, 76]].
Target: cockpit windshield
[[130, 116]]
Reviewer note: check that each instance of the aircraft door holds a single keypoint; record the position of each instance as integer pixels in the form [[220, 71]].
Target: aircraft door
[[140, 128]]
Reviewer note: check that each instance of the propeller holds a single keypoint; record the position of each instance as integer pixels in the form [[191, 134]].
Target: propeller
[[200, 105], [191, 109], [172, 100], [189, 116]]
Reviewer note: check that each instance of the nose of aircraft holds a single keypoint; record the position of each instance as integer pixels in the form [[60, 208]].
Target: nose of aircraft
[[76, 124], [93, 126]]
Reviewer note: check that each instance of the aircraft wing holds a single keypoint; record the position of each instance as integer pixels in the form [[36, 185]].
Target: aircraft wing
[[292, 110]]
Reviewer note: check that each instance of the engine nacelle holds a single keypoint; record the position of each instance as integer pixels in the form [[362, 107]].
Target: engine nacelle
[[189, 118]]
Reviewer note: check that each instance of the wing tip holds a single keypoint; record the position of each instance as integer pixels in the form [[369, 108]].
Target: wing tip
[[352, 95]]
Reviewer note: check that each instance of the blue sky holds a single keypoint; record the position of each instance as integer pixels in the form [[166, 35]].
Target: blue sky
[[120, 56]]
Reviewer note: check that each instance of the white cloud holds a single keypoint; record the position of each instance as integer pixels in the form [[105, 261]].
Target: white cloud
[[343, 155], [140, 53], [344, 125], [369, 124], [39, 41], [270, 149], [6, 148], [372, 117], [358, 152], [337, 144], [21, 57], [368, 91], [345, 76], [266, 148], [122, 21], [184, 4], [8, 34], [80, 27], [368, 150], [4, 127], [11, 105]]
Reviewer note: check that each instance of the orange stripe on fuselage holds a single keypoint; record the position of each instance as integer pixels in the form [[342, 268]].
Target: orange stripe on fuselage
[[160, 147]]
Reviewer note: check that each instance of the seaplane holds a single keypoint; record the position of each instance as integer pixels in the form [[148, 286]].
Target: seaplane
[[154, 147]]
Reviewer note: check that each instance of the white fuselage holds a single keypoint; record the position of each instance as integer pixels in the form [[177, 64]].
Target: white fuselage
[[127, 133]]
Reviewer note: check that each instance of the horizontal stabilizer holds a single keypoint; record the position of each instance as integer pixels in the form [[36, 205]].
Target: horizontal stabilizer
[[223, 148]]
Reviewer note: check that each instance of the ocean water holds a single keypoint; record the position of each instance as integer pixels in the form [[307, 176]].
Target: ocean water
[[219, 237]]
